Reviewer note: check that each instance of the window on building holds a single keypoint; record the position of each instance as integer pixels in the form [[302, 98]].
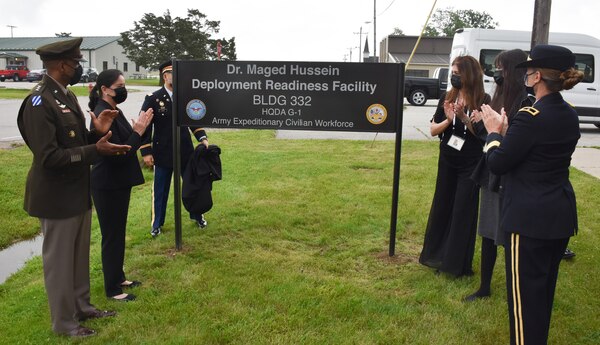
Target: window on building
[[125, 66], [104, 65], [585, 64], [137, 67], [417, 73], [487, 59]]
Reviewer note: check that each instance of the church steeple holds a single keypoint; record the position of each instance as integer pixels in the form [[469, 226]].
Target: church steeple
[[366, 50]]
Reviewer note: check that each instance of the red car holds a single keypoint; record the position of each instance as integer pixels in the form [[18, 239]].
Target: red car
[[16, 73]]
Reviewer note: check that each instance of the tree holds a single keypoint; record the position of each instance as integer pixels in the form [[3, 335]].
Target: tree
[[154, 40], [398, 32], [446, 21], [63, 34]]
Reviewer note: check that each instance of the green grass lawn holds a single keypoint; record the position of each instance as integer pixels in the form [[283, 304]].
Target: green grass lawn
[[143, 82], [296, 253], [79, 90]]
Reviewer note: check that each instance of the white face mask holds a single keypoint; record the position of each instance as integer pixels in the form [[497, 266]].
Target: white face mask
[[168, 77]]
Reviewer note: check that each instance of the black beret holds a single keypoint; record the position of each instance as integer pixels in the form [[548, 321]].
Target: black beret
[[549, 56], [63, 49], [165, 66]]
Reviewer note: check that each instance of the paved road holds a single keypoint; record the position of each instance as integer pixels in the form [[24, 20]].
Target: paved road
[[415, 126], [9, 108]]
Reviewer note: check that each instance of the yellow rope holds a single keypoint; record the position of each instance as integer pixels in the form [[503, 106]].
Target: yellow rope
[[421, 35]]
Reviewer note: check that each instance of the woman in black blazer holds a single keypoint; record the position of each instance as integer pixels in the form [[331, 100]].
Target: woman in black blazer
[[112, 179]]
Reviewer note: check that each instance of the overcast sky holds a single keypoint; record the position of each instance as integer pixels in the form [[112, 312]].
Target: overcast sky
[[280, 30]]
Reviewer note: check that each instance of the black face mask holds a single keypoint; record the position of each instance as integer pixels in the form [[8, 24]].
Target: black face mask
[[455, 81], [120, 94], [498, 78], [75, 77], [530, 90]]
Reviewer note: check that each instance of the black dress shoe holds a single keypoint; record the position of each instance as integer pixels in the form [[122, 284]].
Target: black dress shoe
[[134, 283], [155, 232], [568, 254], [474, 297], [202, 223], [129, 297], [97, 314], [81, 332]]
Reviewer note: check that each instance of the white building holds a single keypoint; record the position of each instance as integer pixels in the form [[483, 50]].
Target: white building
[[101, 52]]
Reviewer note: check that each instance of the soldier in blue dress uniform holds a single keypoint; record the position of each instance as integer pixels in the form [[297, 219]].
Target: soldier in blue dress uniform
[[539, 211], [157, 148]]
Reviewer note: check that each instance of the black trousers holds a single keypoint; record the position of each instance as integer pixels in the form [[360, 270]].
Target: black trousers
[[449, 243], [531, 273], [112, 206]]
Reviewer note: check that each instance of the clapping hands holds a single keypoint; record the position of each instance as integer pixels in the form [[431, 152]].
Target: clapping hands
[[107, 148], [494, 122], [449, 110], [104, 120], [143, 121]]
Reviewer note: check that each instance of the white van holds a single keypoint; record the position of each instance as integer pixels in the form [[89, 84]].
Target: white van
[[486, 44]]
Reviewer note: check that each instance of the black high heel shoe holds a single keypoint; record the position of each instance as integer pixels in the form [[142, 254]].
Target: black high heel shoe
[[134, 283], [129, 297]]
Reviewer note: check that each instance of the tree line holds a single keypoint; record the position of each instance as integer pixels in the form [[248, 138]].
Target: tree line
[[445, 22], [155, 39]]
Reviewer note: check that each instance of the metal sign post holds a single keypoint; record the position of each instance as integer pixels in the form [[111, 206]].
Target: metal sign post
[[397, 155], [176, 162]]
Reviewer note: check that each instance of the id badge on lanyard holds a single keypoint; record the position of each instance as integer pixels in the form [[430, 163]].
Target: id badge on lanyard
[[456, 142]]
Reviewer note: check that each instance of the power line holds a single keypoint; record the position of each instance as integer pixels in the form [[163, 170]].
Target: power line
[[387, 8], [11, 29]]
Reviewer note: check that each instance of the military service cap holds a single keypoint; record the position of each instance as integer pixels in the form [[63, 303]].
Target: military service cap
[[550, 56], [166, 66], [64, 49]]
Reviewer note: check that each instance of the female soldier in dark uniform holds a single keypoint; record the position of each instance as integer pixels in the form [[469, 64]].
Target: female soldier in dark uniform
[[538, 208]]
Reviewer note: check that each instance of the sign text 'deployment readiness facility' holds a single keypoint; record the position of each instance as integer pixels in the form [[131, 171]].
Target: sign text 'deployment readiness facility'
[[361, 97]]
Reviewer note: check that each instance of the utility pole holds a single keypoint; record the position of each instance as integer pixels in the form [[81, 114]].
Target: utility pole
[[350, 50], [375, 31], [11, 29], [360, 33], [541, 22]]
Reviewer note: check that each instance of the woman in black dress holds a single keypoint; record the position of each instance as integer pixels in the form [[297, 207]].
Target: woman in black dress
[[511, 96], [450, 235], [112, 179]]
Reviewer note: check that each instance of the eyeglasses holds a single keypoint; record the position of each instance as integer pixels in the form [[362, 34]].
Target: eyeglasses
[[527, 75]]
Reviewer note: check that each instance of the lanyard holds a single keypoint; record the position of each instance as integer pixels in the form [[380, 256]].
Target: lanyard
[[454, 122]]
